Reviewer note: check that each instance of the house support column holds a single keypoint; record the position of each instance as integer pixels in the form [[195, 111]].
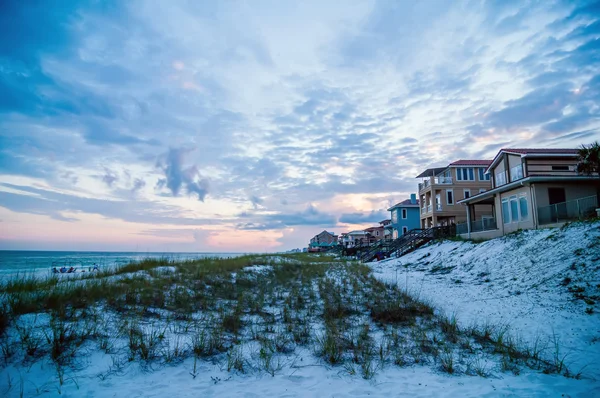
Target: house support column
[[469, 221]]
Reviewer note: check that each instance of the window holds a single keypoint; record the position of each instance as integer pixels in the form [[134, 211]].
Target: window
[[523, 207], [505, 213], [376, 233], [404, 214], [404, 230], [394, 216], [482, 175], [560, 168], [465, 174], [516, 173], [449, 197], [500, 178], [467, 193], [514, 209]]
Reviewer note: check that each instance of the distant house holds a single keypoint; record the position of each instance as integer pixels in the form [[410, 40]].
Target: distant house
[[376, 233], [443, 187], [405, 216], [388, 229], [531, 188], [323, 241], [356, 239]]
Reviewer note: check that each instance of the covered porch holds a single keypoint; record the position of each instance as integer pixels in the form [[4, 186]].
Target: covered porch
[[480, 225]]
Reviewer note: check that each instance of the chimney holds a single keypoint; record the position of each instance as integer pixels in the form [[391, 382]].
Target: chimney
[[413, 198]]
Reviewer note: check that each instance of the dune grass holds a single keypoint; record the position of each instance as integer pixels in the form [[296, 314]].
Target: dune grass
[[249, 313]]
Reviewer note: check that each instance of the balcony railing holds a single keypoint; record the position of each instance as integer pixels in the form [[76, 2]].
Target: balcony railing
[[485, 224], [567, 211], [516, 173], [438, 207], [429, 209], [435, 181]]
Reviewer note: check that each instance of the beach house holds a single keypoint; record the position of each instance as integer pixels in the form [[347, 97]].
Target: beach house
[[442, 187], [323, 241], [375, 233], [531, 188], [405, 216], [388, 229]]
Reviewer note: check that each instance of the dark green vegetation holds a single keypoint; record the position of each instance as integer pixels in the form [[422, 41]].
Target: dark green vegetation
[[245, 318]]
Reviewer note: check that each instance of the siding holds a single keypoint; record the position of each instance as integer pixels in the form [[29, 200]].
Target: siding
[[544, 167]]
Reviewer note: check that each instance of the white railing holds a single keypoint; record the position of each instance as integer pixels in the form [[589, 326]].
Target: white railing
[[438, 207], [566, 211], [434, 180], [443, 180], [424, 209], [429, 209], [516, 173], [485, 224]]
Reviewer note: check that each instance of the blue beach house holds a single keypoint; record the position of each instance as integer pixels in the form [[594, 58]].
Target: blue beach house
[[405, 216]]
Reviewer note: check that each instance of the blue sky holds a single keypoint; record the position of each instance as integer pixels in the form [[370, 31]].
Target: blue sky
[[253, 125]]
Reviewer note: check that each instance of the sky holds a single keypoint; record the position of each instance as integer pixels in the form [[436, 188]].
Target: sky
[[254, 125]]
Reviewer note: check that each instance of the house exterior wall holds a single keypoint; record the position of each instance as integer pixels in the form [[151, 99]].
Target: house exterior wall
[[410, 222], [513, 160], [504, 167], [540, 167], [451, 212], [536, 196], [573, 191], [518, 223]]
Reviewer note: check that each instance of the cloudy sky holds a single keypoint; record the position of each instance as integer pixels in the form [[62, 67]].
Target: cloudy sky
[[253, 125]]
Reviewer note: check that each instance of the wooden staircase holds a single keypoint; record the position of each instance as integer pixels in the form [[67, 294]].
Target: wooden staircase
[[408, 242]]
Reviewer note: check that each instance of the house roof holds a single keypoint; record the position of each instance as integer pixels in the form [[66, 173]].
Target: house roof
[[404, 203], [431, 172], [356, 232], [463, 162], [525, 151], [533, 152], [372, 228]]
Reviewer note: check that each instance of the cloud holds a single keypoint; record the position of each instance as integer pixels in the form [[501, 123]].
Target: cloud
[[109, 177], [178, 177], [53, 204], [285, 114], [364, 218], [309, 216], [138, 184]]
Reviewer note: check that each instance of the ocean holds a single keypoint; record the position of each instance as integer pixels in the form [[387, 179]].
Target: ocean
[[38, 262]]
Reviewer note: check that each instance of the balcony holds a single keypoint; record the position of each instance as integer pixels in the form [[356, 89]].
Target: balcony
[[438, 207], [435, 181]]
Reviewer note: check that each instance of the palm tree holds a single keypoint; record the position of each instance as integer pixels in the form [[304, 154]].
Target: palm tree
[[589, 159], [589, 163]]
